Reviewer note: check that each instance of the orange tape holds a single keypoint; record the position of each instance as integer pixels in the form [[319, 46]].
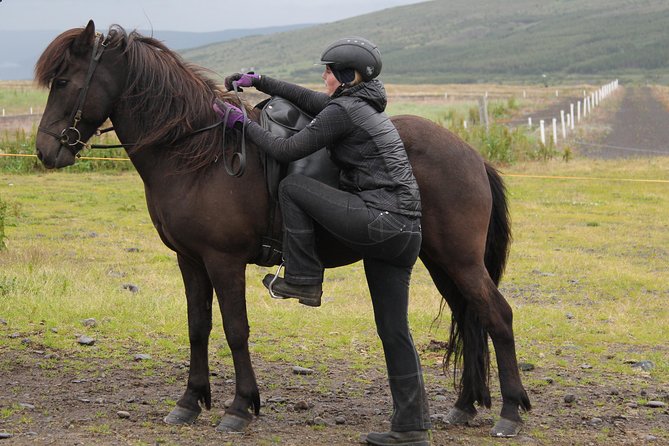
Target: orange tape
[[82, 158]]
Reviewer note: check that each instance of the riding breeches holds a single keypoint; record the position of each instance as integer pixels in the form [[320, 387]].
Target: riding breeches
[[389, 244]]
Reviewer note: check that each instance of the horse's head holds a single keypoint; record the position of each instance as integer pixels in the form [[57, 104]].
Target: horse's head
[[154, 98], [85, 78]]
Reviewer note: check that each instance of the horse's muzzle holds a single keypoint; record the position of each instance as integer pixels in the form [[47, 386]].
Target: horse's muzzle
[[55, 159]]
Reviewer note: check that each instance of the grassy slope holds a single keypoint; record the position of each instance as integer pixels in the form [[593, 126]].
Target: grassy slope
[[474, 40]]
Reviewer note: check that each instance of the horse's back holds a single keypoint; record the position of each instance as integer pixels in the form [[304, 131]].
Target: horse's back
[[426, 142], [454, 186]]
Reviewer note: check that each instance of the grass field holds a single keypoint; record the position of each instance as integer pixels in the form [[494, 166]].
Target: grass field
[[588, 271]]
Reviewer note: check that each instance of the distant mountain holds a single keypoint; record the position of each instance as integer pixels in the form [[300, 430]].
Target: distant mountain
[[435, 42], [475, 41], [19, 50]]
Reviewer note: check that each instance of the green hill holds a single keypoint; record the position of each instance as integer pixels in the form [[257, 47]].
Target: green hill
[[475, 41]]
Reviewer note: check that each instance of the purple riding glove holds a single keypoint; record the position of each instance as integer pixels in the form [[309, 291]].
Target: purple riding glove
[[241, 80], [234, 114]]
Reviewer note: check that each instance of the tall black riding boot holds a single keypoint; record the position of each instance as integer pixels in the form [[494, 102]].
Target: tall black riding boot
[[410, 422], [411, 411]]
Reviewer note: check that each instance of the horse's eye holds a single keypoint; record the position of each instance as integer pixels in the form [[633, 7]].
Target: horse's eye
[[59, 83]]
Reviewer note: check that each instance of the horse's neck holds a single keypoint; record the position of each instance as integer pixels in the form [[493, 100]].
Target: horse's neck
[[149, 162]]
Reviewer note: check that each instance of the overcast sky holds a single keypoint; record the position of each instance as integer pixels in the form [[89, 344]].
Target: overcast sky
[[180, 15]]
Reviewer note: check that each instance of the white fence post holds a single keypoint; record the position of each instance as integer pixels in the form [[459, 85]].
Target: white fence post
[[564, 127], [571, 114], [585, 106], [529, 122], [543, 132], [555, 131]]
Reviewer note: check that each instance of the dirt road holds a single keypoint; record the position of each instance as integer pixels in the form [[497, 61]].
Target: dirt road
[[639, 128]]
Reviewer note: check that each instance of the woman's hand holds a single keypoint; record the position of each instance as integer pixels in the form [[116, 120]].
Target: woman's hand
[[240, 80], [229, 113]]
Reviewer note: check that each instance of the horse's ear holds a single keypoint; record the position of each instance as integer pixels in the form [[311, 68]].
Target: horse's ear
[[85, 39]]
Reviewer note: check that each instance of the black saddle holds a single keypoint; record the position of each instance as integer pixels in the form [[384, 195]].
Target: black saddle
[[283, 118]]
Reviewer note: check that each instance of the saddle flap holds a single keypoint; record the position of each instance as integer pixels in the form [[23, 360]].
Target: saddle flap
[[283, 118], [280, 116]]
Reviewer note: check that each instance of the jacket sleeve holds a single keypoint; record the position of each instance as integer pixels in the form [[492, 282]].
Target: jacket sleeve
[[329, 126], [312, 102]]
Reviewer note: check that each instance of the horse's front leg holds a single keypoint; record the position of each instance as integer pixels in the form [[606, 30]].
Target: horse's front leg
[[199, 295], [227, 274]]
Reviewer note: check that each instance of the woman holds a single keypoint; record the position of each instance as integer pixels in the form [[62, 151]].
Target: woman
[[376, 210]]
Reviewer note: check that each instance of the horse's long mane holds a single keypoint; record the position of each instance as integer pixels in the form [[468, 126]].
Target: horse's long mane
[[168, 97], [55, 57]]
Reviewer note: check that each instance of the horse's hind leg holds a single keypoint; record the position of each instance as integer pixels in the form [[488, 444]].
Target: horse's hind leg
[[473, 385], [479, 309], [199, 298], [498, 322]]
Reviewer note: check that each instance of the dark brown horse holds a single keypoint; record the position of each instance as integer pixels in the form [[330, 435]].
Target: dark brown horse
[[215, 221]]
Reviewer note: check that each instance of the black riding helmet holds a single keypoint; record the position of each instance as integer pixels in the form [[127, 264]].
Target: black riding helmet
[[353, 53]]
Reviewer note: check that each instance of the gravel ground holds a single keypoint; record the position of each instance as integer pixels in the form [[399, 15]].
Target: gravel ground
[[80, 398]]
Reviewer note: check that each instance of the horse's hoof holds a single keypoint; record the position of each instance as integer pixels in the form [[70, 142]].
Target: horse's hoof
[[181, 415], [506, 428], [232, 424], [457, 417]]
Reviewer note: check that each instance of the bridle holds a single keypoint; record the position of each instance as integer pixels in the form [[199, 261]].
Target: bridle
[[70, 137]]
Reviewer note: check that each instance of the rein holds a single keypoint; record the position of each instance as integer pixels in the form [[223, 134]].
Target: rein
[[70, 137], [241, 155]]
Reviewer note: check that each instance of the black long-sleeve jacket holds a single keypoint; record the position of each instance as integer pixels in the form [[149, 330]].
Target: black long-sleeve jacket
[[359, 136]]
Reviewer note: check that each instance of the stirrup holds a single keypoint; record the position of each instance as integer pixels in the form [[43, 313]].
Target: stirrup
[[271, 284]]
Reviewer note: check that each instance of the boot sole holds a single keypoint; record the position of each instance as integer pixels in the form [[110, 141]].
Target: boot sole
[[396, 442], [409, 443], [315, 302]]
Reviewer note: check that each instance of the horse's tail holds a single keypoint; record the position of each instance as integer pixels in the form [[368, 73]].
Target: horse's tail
[[499, 228]]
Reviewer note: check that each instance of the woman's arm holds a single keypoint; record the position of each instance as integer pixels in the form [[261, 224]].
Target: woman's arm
[[327, 127]]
